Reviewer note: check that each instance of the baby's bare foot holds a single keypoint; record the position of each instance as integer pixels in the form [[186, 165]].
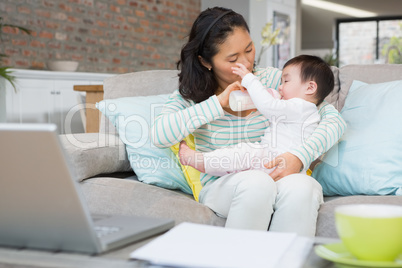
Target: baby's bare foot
[[186, 155], [190, 157]]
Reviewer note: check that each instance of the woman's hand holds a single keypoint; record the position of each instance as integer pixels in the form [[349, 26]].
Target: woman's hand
[[284, 164], [223, 97]]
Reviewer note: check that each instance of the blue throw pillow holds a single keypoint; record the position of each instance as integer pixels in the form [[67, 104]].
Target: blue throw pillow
[[133, 118], [368, 158]]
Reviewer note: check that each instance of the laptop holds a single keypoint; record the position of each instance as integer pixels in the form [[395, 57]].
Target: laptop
[[41, 206]]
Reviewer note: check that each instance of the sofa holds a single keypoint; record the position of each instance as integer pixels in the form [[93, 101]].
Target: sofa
[[110, 186]]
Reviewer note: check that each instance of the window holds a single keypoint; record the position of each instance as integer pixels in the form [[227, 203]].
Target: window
[[369, 40]]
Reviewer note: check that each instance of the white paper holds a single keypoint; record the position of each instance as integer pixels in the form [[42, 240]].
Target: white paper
[[195, 245], [297, 254]]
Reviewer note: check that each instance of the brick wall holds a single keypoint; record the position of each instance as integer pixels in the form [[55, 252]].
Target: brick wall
[[107, 36]]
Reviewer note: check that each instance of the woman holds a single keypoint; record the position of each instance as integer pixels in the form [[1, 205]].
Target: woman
[[285, 200]]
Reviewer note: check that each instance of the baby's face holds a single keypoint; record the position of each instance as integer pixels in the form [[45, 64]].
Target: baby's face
[[291, 84]]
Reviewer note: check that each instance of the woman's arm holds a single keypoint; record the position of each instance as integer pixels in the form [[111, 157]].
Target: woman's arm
[[179, 118], [329, 131]]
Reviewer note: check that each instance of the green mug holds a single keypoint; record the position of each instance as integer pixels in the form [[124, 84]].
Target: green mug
[[371, 232]]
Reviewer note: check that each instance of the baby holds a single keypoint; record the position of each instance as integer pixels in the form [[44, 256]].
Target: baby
[[306, 81]]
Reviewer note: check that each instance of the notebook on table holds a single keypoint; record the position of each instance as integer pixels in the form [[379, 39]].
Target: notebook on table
[[41, 206]]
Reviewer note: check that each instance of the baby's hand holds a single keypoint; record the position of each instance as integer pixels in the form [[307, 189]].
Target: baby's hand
[[241, 70]]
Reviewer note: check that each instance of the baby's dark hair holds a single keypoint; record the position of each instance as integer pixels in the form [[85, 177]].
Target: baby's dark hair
[[315, 69]]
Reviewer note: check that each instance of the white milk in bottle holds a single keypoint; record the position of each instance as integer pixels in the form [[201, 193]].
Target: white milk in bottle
[[240, 101]]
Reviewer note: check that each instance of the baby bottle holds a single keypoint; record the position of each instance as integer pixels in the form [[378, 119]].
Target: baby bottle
[[240, 101]]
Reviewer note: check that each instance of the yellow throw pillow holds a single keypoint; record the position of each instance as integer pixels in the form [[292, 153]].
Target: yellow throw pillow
[[191, 174]]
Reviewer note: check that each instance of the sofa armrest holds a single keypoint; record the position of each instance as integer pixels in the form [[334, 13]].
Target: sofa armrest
[[91, 154]]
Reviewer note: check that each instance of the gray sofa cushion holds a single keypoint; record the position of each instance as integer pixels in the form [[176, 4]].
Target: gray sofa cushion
[[91, 154], [326, 216], [111, 196], [144, 83]]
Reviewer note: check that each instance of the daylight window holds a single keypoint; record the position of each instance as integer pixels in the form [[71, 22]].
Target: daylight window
[[368, 41]]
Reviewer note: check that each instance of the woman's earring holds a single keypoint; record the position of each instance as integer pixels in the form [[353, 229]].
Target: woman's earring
[[209, 69]]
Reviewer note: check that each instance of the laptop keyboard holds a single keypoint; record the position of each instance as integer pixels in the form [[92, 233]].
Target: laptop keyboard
[[102, 231]]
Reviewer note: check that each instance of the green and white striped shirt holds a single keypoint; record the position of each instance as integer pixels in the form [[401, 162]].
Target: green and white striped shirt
[[213, 128]]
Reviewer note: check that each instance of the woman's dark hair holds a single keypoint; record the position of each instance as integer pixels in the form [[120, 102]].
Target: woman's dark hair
[[316, 69], [210, 29]]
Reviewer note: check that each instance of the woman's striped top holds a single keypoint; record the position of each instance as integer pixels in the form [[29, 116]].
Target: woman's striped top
[[213, 128]]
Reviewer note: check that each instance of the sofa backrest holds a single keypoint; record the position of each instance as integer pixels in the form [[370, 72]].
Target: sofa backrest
[[368, 73], [145, 83], [156, 82], [332, 98]]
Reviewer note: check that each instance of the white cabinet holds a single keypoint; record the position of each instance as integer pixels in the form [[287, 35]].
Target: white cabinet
[[48, 97]]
